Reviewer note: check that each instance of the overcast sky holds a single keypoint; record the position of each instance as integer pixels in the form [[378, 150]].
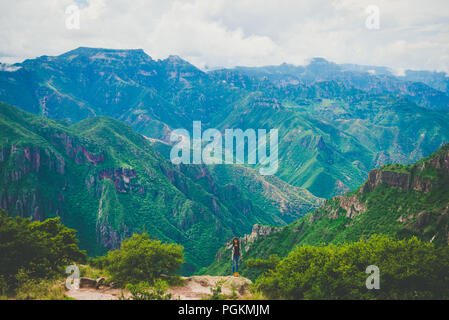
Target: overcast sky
[[412, 34]]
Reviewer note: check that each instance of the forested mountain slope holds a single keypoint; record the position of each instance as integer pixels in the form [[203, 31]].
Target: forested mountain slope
[[107, 182], [396, 200]]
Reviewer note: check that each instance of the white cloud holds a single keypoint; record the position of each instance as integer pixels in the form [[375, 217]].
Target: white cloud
[[413, 34], [8, 68]]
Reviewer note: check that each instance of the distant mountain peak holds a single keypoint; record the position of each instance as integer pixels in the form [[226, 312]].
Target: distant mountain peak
[[320, 60], [177, 60], [92, 52], [174, 58]]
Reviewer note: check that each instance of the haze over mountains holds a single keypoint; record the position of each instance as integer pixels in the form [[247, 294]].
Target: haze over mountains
[[336, 123]]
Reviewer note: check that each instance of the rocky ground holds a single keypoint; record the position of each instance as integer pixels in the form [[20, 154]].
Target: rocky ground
[[199, 287], [194, 288]]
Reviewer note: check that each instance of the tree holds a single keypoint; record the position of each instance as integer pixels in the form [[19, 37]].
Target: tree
[[269, 264], [42, 249], [142, 259], [409, 269]]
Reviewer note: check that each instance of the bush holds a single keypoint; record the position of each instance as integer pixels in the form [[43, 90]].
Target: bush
[[409, 269], [98, 262], [145, 291], [262, 264], [141, 259], [34, 289], [216, 291], [43, 249]]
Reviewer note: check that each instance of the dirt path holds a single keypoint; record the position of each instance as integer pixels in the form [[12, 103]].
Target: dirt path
[[199, 287], [194, 288], [103, 293]]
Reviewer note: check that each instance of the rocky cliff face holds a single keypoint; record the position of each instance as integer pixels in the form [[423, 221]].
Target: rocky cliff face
[[18, 165], [404, 181], [75, 150], [406, 178], [351, 204], [411, 178], [440, 160], [414, 196], [257, 232], [123, 179], [107, 182]]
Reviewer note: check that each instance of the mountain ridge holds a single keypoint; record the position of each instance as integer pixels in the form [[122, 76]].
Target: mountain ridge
[[105, 180], [361, 120], [396, 200]]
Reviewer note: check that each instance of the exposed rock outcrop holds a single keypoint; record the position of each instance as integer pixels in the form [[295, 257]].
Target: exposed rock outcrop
[[91, 283], [199, 287], [410, 178], [405, 178], [122, 179], [29, 162], [440, 161], [75, 150], [257, 232], [391, 179], [352, 205], [193, 288]]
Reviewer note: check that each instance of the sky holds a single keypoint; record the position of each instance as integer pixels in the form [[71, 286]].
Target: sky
[[400, 34]]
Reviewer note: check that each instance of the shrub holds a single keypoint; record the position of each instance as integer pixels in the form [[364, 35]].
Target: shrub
[[34, 289], [263, 264], [145, 291], [409, 269], [98, 262], [141, 259], [43, 249], [217, 291]]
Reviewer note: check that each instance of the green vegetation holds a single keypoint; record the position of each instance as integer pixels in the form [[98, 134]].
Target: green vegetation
[[263, 264], [100, 177], [107, 182], [409, 269], [35, 250], [217, 292], [146, 291], [141, 259], [30, 288], [34, 254], [335, 123], [419, 209]]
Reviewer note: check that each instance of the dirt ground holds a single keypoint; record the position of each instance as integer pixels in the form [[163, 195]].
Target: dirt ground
[[194, 288]]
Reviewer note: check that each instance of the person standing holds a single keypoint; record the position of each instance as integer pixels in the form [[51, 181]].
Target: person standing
[[236, 255]]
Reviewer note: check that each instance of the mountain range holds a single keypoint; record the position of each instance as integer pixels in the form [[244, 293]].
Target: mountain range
[[396, 200], [92, 142], [107, 182], [336, 122]]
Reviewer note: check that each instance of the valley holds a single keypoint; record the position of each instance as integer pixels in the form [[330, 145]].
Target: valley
[[94, 148]]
